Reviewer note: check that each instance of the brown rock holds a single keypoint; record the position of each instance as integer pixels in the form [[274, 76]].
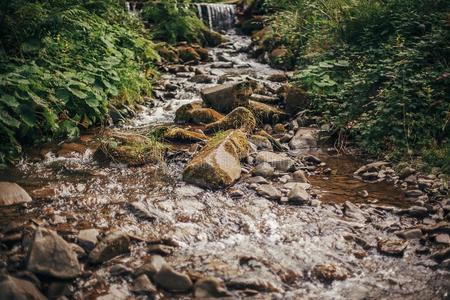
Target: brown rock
[[226, 97], [114, 244], [12, 193], [240, 118], [329, 272], [195, 113]]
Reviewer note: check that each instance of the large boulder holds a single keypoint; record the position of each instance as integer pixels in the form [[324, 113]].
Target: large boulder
[[239, 118], [167, 52], [12, 288], [218, 164], [226, 97], [265, 113], [213, 39], [295, 98], [51, 255], [11, 193], [304, 138], [195, 113]]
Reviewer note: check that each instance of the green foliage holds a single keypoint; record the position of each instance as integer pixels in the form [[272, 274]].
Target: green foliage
[[376, 70], [62, 63], [175, 21]]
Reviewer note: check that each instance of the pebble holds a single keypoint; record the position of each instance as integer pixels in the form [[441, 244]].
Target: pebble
[[143, 286], [114, 244], [299, 176], [298, 195], [264, 170], [329, 272], [172, 280], [210, 287], [268, 191], [410, 234], [392, 246]]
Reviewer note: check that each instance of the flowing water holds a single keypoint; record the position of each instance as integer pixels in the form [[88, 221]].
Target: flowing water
[[217, 235], [217, 16]]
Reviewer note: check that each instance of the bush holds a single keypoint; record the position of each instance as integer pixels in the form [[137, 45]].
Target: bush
[[62, 63], [378, 71]]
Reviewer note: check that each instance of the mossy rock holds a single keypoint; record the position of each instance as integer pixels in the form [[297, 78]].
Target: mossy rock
[[226, 97], [296, 99], [203, 52], [181, 135], [282, 58], [167, 52], [239, 118], [266, 114], [129, 149], [213, 39], [196, 114], [188, 54], [217, 165]]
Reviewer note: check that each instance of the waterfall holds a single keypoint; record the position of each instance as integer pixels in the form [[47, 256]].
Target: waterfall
[[217, 16], [134, 8]]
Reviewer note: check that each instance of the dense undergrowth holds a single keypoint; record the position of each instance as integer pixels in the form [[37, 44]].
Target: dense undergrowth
[[175, 21], [63, 64], [378, 71]]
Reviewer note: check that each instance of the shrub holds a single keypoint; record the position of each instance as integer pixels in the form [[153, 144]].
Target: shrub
[[62, 63]]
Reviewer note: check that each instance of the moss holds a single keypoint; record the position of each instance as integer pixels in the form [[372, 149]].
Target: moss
[[183, 135], [195, 113], [130, 149], [239, 118], [266, 114]]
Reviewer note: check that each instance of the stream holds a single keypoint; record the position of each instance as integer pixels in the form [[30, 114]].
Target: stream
[[260, 248]]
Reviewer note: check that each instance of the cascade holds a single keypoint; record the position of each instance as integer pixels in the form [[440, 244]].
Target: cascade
[[217, 16]]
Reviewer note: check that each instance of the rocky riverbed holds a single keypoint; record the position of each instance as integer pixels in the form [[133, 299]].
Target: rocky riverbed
[[244, 200]]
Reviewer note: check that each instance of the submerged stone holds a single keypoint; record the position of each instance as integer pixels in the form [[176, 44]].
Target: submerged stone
[[278, 161], [218, 164], [304, 138]]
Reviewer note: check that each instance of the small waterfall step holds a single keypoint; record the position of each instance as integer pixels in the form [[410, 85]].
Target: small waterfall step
[[217, 16]]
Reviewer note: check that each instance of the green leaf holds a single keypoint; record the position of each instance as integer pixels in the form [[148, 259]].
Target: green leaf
[[8, 119], [77, 93], [9, 101]]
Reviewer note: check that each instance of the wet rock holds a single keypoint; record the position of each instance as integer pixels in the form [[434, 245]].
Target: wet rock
[[51, 255], [210, 287], [12, 288], [226, 97], [442, 239], [263, 169], [143, 286], [278, 161], [312, 159], [240, 118], [415, 211], [269, 191], [152, 267], [222, 65], [202, 78], [296, 99], [218, 163], [252, 283], [410, 234], [120, 269], [266, 114], [299, 176], [162, 250], [88, 238], [413, 193], [114, 244], [392, 247], [195, 113], [329, 273], [304, 138], [261, 142], [143, 211], [298, 195], [257, 180], [213, 38], [68, 149], [441, 255], [371, 168], [354, 212], [12, 194], [171, 280], [181, 135]]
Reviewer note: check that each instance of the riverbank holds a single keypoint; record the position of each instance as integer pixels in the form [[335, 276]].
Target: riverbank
[[334, 237]]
